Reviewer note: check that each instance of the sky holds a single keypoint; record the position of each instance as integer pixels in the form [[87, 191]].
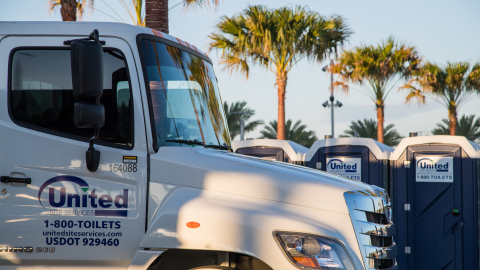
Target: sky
[[441, 30]]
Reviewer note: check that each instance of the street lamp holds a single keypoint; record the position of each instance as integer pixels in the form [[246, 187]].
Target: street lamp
[[331, 104], [242, 123]]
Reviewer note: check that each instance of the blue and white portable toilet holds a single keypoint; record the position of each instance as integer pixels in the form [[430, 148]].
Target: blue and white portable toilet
[[361, 159], [435, 202], [278, 150]]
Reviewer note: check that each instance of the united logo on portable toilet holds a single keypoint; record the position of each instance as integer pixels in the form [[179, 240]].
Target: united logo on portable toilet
[[434, 169], [346, 167]]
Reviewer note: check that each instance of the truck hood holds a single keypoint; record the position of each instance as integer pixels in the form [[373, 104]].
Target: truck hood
[[231, 173]]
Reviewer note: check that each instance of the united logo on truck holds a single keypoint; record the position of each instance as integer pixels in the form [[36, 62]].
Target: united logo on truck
[[88, 203]]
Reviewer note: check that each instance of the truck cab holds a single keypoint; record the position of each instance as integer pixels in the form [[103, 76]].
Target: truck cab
[[151, 182]]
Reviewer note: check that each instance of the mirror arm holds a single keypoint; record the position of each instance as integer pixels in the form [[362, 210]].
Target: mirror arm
[[92, 156], [67, 42], [97, 128], [92, 139], [95, 36]]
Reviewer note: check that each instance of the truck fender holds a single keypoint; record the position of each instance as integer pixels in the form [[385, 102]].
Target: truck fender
[[143, 259], [196, 219]]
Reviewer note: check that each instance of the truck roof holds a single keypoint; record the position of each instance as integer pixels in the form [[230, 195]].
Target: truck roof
[[82, 29]]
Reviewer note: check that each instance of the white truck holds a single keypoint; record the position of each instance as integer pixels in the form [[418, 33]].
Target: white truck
[[114, 155]]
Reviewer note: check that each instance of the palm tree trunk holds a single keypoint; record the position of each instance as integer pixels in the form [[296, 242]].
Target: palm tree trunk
[[380, 120], [68, 10], [156, 15], [282, 85], [452, 117]]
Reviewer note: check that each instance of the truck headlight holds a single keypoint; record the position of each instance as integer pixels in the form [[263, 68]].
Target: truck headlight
[[314, 251]]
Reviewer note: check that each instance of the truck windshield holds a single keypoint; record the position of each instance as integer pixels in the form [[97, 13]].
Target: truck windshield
[[185, 101]]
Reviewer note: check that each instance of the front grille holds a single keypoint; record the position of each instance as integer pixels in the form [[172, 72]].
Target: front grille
[[381, 241], [370, 213], [383, 264], [376, 218]]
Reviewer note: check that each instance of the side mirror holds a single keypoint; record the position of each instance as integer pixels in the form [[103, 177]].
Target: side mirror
[[88, 115], [87, 69], [87, 82]]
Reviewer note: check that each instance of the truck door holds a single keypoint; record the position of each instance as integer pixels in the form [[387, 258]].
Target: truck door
[[53, 211], [435, 220]]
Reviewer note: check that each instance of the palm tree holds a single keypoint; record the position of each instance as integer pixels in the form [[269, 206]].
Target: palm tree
[[467, 126], [137, 16], [452, 85], [368, 129], [277, 39], [297, 133], [363, 129], [69, 9], [376, 69], [156, 11], [155, 14], [232, 117]]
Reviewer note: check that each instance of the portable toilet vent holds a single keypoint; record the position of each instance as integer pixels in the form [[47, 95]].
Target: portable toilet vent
[[278, 150], [361, 159], [435, 182]]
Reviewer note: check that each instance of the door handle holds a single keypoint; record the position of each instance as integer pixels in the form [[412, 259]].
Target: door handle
[[8, 179]]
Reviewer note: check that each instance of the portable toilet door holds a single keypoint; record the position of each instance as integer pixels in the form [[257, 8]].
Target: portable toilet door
[[278, 150], [361, 159], [435, 199]]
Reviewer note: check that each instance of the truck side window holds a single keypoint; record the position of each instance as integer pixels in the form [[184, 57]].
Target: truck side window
[[41, 95]]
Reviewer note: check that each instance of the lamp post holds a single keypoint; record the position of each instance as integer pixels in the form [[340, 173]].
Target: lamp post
[[331, 104], [242, 123]]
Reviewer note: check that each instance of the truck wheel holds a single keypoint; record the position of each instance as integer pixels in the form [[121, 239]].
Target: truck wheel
[[212, 267]]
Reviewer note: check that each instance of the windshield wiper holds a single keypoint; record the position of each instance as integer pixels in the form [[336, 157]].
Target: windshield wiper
[[190, 142], [196, 142], [221, 147]]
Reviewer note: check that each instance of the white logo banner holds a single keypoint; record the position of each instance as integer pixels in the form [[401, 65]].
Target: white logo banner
[[347, 167], [434, 169]]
